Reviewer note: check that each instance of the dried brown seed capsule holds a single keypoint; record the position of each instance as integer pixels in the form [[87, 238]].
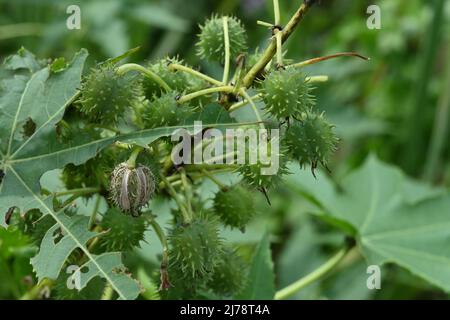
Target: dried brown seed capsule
[[131, 188]]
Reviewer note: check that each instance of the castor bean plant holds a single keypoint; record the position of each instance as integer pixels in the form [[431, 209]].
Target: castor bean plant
[[107, 136]]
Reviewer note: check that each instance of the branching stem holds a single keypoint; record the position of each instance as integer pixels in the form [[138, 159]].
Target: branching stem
[[271, 49], [191, 96], [78, 192], [215, 180], [332, 56], [195, 73], [131, 162], [148, 73]]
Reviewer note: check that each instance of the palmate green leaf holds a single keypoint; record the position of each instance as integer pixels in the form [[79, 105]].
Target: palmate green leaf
[[261, 282], [395, 220], [41, 96]]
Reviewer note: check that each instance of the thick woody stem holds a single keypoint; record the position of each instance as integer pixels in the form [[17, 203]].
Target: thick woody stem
[[270, 51]]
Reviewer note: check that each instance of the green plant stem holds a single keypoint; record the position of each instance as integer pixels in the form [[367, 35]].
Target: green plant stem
[[271, 49], [195, 73], [414, 151], [162, 238], [20, 30], [277, 33], [215, 180], [332, 56], [107, 292], [148, 73], [280, 63], [440, 130], [244, 102], [226, 35], [70, 200], [200, 93], [187, 192], [315, 79], [276, 10], [78, 192], [165, 255], [93, 217], [131, 162], [254, 107], [173, 193], [264, 24], [237, 78], [313, 276]]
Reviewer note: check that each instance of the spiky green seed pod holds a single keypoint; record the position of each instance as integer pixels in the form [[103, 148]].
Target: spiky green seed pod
[[256, 175], [163, 111], [311, 140], [177, 81], [287, 93], [106, 96], [195, 249], [123, 233], [211, 44], [131, 188], [234, 206], [229, 276]]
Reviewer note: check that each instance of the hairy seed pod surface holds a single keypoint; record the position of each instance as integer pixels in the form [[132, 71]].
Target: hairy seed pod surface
[[163, 111], [311, 140], [287, 93], [124, 233], [234, 206], [106, 95], [195, 248], [131, 188], [229, 275], [211, 44]]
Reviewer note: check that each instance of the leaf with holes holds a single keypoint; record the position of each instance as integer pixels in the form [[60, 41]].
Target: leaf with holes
[[53, 254]]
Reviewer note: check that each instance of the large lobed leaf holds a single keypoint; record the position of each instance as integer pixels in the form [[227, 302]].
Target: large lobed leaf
[[53, 255], [393, 218], [31, 93]]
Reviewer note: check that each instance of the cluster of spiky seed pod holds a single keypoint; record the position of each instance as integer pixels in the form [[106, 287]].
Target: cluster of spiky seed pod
[[198, 256]]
